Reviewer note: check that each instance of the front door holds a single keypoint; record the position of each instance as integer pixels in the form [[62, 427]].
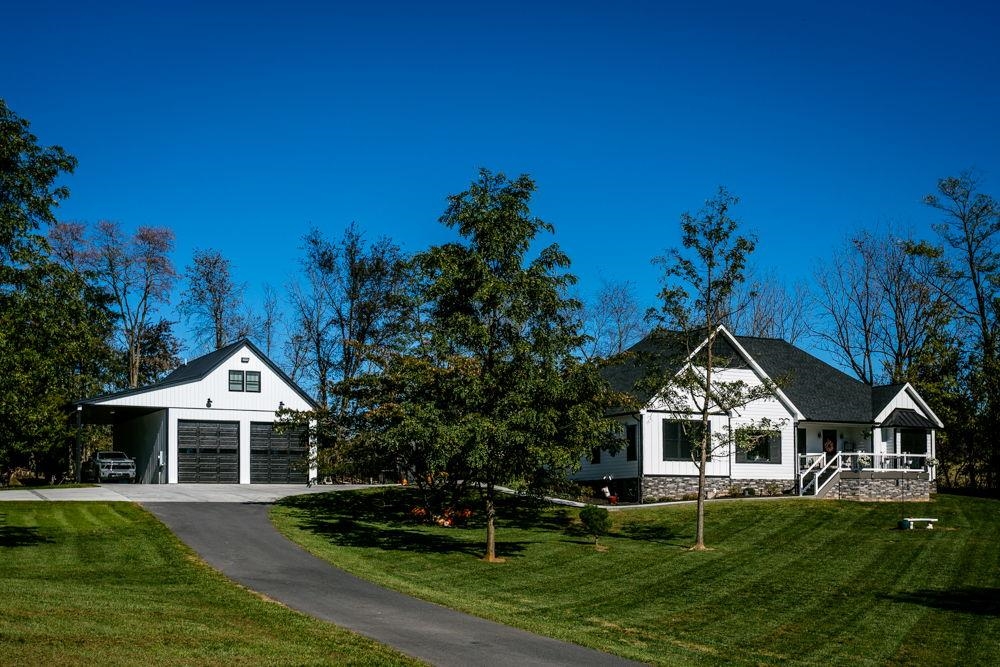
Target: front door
[[830, 443]]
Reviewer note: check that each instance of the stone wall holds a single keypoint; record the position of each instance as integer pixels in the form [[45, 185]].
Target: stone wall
[[881, 487], [673, 487]]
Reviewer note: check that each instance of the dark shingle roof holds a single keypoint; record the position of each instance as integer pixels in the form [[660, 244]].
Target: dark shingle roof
[[907, 418], [820, 391], [817, 389]]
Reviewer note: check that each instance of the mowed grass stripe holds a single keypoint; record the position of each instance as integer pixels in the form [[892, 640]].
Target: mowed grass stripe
[[788, 582], [108, 584]]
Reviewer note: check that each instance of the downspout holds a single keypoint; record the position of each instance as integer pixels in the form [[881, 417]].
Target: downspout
[[639, 454]]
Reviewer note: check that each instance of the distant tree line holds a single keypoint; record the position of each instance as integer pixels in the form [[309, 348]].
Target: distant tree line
[[475, 361]]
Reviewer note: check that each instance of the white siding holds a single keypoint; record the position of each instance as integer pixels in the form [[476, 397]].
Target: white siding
[[215, 386], [906, 400], [723, 461]]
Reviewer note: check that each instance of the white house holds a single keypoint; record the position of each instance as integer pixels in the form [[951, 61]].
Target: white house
[[211, 420], [830, 434]]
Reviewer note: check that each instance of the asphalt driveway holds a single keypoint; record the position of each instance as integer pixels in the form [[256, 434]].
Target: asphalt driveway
[[239, 540]]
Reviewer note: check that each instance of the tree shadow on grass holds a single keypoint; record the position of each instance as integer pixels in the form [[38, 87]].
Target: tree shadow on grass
[[15, 536], [969, 600], [383, 520], [655, 534]]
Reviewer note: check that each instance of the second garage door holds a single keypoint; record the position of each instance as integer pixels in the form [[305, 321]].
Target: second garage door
[[208, 452], [277, 457]]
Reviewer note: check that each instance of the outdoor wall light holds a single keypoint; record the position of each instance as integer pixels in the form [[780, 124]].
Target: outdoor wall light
[[281, 405], [208, 403]]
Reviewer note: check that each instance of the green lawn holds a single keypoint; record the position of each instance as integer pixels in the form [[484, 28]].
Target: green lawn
[[107, 584], [788, 582]]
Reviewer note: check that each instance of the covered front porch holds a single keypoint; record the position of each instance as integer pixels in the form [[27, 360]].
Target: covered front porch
[[902, 444]]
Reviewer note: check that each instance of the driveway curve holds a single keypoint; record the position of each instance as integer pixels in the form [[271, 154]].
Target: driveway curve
[[239, 540]]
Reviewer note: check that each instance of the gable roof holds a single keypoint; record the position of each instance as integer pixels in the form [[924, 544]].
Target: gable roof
[[200, 368], [816, 389]]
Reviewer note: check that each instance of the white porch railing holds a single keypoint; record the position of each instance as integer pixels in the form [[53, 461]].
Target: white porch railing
[[816, 470]]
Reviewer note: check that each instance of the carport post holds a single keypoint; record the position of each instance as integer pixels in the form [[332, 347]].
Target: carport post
[[77, 452]]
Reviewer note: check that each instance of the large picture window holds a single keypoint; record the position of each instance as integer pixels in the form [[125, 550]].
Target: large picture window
[[236, 381], [680, 439], [756, 446]]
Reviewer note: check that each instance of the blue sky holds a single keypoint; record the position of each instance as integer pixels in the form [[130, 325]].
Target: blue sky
[[241, 125]]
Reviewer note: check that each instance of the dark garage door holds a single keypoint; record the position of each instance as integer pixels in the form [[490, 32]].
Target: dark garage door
[[208, 452], [277, 457]]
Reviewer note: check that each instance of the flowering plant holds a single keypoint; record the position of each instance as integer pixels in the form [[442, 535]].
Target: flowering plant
[[931, 462], [864, 461]]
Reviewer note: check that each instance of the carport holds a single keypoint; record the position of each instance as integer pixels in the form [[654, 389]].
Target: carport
[[140, 432]]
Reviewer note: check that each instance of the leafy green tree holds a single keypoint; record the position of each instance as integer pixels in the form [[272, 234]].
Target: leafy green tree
[[491, 392], [699, 284], [54, 324], [28, 187]]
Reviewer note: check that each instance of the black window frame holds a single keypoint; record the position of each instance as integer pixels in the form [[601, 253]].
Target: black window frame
[[246, 382], [683, 440], [755, 455], [631, 442], [242, 381]]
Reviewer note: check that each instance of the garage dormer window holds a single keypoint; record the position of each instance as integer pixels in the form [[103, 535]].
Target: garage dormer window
[[253, 381], [236, 381]]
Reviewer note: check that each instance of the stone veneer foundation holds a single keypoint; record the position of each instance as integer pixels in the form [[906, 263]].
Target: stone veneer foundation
[[860, 486], [684, 487], [882, 487]]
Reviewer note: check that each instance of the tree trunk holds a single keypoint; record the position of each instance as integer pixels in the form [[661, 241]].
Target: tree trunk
[[491, 512], [706, 443]]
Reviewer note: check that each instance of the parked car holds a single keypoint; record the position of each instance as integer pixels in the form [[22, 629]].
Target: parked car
[[111, 466]]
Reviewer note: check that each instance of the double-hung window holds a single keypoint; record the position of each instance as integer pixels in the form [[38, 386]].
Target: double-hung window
[[253, 381], [235, 380]]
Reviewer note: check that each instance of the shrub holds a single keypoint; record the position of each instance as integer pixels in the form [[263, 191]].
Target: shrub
[[773, 489], [596, 521], [734, 490]]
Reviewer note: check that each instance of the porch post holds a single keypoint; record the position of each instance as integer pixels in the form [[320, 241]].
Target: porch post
[[78, 448]]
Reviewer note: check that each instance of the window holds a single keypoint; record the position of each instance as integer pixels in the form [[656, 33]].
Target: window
[[755, 446], [253, 381], [680, 439], [631, 442], [236, 381], [595, 455]]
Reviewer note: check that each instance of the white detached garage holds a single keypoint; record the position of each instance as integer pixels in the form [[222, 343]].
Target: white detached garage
[[210, 421]]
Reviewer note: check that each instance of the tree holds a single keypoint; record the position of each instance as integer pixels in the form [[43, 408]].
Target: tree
[[613, 321], [491, 391], [356, 306], [699, 283], [763, 306], [28, 186], [138, 274], [54, 326], [967, 276], [213, 302], [596, 521]]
